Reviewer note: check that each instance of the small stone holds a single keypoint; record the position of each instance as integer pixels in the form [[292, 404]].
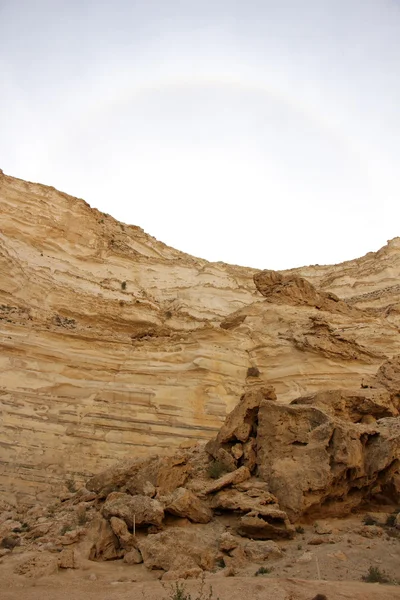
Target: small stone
[[322, 528], [305, 558], [227, 542], [229, 572], [149, 489], [237, 451], [133, 557], [66, 559], [339, 555]]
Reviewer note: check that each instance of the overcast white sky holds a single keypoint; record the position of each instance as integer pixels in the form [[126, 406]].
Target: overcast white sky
[[264, 133]]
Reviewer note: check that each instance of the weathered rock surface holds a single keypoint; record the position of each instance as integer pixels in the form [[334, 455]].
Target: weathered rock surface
[[268, 523], [106, 545], [140, 510], [183, 503], [233, 478], [295, 290], [353, 406], [179, 549], [114, 345], [317, 463], [126, 540]]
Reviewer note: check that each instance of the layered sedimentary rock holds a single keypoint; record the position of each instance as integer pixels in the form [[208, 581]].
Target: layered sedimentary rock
[[114, 345]]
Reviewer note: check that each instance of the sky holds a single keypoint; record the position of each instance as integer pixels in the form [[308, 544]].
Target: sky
[[264, 133]]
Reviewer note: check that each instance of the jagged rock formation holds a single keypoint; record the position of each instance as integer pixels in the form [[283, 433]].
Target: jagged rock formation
[[115, 345], [313, 458]]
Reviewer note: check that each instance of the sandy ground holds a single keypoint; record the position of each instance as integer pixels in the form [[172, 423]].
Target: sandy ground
[[238, 588], [334, 567]]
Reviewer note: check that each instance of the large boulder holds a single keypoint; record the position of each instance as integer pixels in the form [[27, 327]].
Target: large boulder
[[141, 476], [129, 473], [268, 523], [233, 478], [106, 544], [242, 501], [140, 510], [184, 503], [120, 528], [240, 422], [315, 463], [295, 290], [260, 551], [173, 548]]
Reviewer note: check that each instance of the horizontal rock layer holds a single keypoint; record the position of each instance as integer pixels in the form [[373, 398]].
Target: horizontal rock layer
[[114, 345]]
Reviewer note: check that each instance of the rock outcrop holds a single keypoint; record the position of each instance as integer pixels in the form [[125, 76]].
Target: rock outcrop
[[114, 345], [316, 457]]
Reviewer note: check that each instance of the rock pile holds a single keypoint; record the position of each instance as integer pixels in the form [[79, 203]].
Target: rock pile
[[229, 501]]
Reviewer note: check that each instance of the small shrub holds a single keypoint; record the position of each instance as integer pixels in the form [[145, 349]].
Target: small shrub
[[123, 285], [262, 571], [82, 517], [320, 597], [390, 521], [10, 542], [220, 563], [375, 575], [64, 529], [299, 529], [178, 592], [369, 520], [216, 469], [70, 484], [299, 546]]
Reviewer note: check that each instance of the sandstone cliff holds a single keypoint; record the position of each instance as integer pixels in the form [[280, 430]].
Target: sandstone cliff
[[115, 345]]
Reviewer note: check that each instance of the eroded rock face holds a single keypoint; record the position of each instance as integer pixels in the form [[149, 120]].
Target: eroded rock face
[[388, 375], [115, 345], [106, 545], [316, 457], [316, 463], [292, 289], [268, 523], [352, 406]]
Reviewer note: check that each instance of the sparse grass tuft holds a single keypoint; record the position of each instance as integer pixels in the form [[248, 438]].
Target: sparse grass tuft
[[215, 469], [369, 520], [262, 571], [375, 575], [82, 516], [70, 484], [10, 542], [391, 520], [178, 591], [65, 528]]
